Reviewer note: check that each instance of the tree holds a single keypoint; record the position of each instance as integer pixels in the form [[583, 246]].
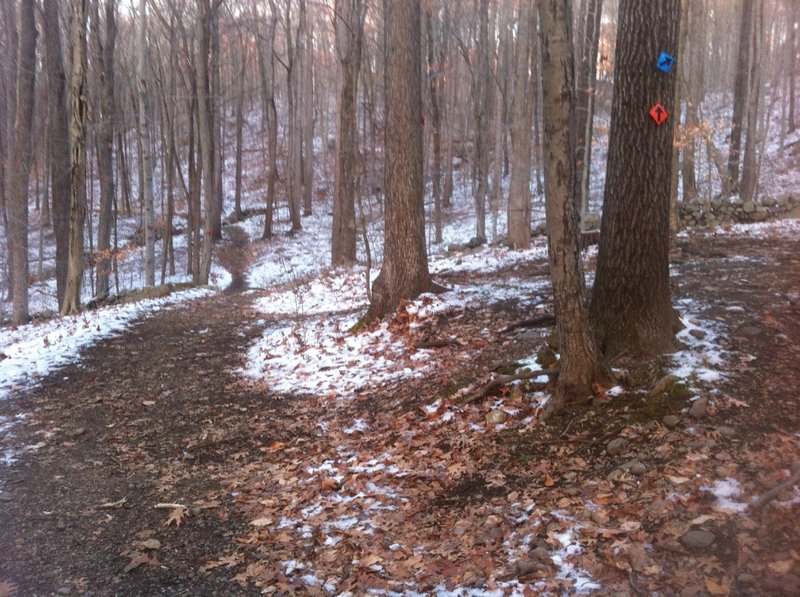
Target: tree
[[348, 23], [266, 67], [749, 164], [581, 362], [631, 301], [519, 193], [144, 144], [741, 89], [104, 54], [19, 173], [77, 158], [57, 140], [404, 274]]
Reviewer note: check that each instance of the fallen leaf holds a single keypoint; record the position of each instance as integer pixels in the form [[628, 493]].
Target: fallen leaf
[[139, 559], [715, 588], [8, 588], [261, 522], [275, 446], [176, 516], [781, 567], [227, 561]]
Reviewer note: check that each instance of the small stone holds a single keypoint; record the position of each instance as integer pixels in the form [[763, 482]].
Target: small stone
[[726, 431], [151, 544], [664, 384], [541, 553], [616, 446], [77, 432], [748, 207], [699, 334], [698, 540], [637, 468], [746, 579], [527, 567], [61, 525], [618, 474], [699, 408], [671, 421], [496, 417]]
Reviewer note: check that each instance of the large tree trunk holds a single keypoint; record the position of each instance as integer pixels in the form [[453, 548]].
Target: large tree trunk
[[77, 162], [581, 363], [404, 273], [266, 65], [349, 15], [587, 80], [104, 52], [740, 94], [294, 173], [18, 176], [631, 300], [57, 140], [206, 137], [482, 100], [146, 167], [793, 62], [519, 193]]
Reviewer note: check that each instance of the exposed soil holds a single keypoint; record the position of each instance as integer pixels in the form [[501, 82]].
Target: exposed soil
[[157, 416]]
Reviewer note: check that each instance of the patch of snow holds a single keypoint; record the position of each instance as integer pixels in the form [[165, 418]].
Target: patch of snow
[[724, 490]]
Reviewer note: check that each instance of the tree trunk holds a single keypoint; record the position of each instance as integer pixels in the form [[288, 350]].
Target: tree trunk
[[404, 273], [266, 65], [206, 137], [58, 140], [680, 92], [580, 363], [740, 95], [77, 149], [435, 65], [19, 174], [237, 200], [693, 95], [308, 120], [349, 15], [631, 301], [482, 100], [294, 173], [146, 167], [749, 162], [104, 52], [793, 61], [587, 79], [519, 194]]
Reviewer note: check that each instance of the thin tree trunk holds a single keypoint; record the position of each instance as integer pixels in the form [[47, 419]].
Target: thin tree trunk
[[349, 23], [435, 65], [17, 207], [749, 162], [519, 194], [581, 362], [58, 140], [77, 138], [206, 138], [237, 208], [740, 94], [308, 121], [146, 167]]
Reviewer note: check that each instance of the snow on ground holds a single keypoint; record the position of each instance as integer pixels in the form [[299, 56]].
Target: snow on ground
[[30, 352]]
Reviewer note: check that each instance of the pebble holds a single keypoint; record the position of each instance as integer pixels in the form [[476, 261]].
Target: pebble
[[541, 553], [616, 475], [699, 334], [496, 417], [75, 432], [726, 431], [698, 540], [671, 421], [699, 408], [616, 446], [151, 544], [664, 384]]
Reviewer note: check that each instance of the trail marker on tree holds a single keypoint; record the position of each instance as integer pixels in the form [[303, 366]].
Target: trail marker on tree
[[659, 114], [665, 62]]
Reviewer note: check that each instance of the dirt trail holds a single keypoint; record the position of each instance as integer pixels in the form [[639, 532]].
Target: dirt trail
[[146, 417]]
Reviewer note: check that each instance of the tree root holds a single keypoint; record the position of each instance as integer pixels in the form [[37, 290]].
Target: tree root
[[545, 320], [502, 380], [773, 493]]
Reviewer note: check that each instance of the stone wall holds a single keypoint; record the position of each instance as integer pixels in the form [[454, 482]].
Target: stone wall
[[734, 210]]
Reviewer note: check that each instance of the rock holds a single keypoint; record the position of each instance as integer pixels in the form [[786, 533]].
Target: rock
[[475, 242], [496, 417], [528, 567], [726, 431], [151, 544], [699, 408], [698, 540], [671, 421], [760, 214], [616, 446], [638, 468], [61, 525], [541, 554], [617, 474], [699, 334], [455, 248], [77, 432], [748, 207], [546, 357], [664, 384]]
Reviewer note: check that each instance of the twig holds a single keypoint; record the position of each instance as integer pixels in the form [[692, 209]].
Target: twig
[[598, 440], [423, 344], [545, 320], [170, 506], [773, 493], [502, 380]]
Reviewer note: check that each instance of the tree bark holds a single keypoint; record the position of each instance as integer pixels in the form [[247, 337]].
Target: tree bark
[[206, 137], [740, 94], [147, 157], [19, 174], [749, 163], [266, 64], [631, 301], [58, 140], [348, 15], [435, 66], [519, 194], [104, 53], [482, 101], [77, 149], [404, 273], [581, 362]]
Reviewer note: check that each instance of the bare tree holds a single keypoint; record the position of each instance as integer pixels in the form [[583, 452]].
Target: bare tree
[[144, 148], [348, 23], [77, 158], [19, 173], [740, 94], [404, 273]]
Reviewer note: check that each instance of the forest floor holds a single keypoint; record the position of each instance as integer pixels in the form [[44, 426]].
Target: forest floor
[[152, 468]]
